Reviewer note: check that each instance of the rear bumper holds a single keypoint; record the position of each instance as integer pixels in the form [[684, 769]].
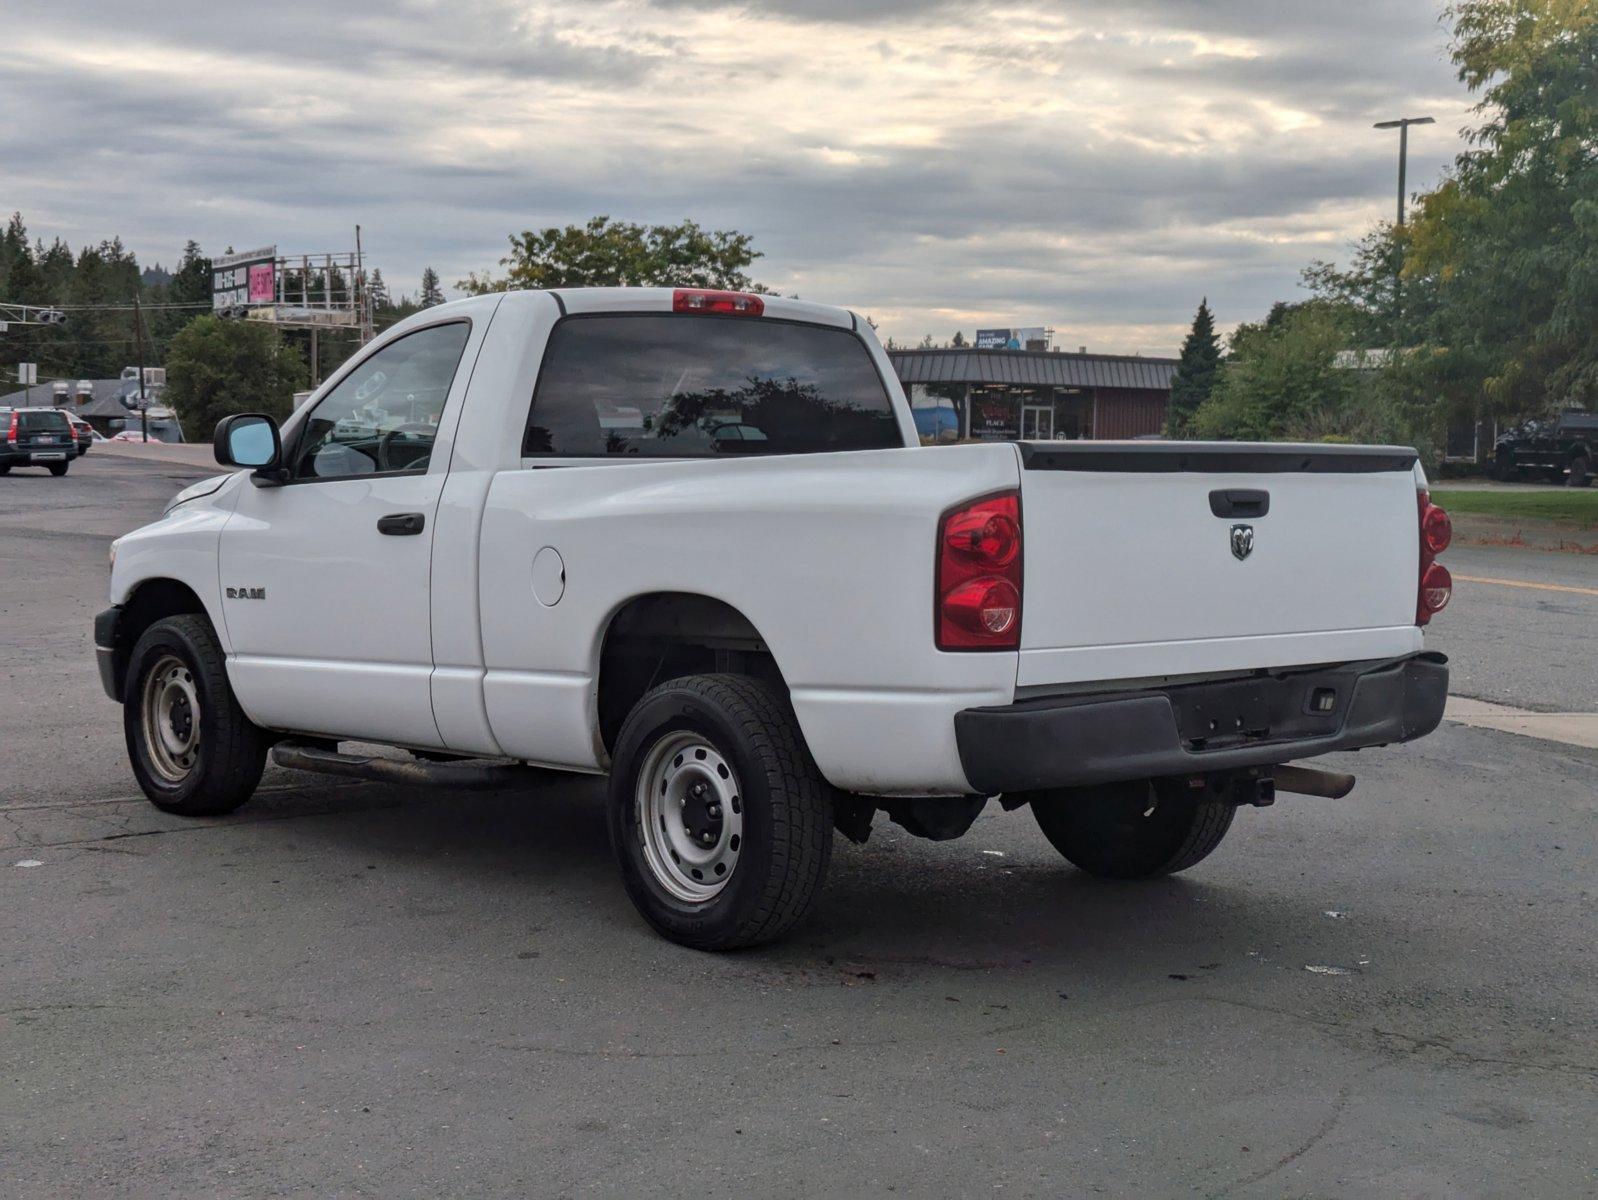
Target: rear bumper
[[105, 651], [42, 456], [1201, 727]]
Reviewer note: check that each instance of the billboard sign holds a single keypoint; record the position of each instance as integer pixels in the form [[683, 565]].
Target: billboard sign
[[243, 280], [1033, 337]]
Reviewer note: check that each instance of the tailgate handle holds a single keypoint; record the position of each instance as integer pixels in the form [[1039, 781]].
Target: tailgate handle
[[1240, 502]]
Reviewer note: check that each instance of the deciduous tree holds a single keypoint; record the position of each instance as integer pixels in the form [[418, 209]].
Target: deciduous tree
[[606, 253], [216, 367]]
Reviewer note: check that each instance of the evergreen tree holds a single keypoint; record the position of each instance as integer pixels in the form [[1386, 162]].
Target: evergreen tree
[[1195, 373], [432, 293], [190, 286]]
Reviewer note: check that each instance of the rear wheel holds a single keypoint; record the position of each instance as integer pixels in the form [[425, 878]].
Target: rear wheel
[[720, 821], [58, 469], [1136, 830], [193, 750]]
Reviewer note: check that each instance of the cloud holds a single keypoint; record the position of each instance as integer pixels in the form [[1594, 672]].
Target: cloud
[[1095, 165]]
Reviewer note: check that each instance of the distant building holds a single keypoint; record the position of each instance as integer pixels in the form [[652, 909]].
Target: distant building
[[1035, 395], [107, 404]]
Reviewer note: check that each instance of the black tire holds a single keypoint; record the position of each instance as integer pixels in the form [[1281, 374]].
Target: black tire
[[58, 469], [1137, 830], [1580, 472], [784, 804], [230, 753]]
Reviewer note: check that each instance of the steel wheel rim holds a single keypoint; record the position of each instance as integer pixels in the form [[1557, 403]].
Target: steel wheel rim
[[690, 816], [170, 719]]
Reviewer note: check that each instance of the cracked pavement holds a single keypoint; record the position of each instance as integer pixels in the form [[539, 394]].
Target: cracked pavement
[[352, 989]]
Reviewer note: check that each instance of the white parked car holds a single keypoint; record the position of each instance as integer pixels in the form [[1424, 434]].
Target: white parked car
[[759, 606]]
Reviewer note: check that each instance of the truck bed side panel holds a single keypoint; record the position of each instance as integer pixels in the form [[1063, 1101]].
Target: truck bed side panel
[[830, 556]]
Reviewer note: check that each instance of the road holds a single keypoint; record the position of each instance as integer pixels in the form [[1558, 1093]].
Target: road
[[1522, 627], [359, 990]]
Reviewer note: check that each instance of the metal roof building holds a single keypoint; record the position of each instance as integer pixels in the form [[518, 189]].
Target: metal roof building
[[1037, 394], [100, 403]]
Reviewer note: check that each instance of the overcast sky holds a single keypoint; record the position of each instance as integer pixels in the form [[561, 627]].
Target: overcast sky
[[1092, 165]]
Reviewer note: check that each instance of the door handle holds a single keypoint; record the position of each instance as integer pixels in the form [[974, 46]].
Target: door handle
[[401, 524], [1239, 502]]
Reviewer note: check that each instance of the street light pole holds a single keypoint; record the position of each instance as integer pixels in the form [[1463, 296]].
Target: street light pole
[[1402, 125]]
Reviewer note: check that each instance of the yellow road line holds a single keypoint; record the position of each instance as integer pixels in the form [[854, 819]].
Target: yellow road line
[[1522, 583]]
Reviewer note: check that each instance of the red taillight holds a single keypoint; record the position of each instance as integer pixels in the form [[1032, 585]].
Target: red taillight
[[730, 304], [1436, 530], [1436, 584], [979, 575]]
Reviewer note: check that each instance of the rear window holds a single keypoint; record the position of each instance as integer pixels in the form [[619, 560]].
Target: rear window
[[690, 386], [43, 422]]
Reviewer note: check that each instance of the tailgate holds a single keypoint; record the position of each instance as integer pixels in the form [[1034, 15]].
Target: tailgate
[[1155, 559]]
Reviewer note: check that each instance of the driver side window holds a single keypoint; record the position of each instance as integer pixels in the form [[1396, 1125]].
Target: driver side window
[[383, 417]]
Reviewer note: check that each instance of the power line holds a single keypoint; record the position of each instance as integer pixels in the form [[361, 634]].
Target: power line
[[123, 307]]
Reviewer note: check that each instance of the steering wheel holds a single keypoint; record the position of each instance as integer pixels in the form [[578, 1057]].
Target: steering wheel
[[386, 441]]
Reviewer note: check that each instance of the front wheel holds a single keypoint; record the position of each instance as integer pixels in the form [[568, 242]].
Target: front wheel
[[1136, 830], [193, 750], [720, 821]]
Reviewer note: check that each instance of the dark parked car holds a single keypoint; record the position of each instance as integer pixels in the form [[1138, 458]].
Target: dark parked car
[[84, 433], [1558, 448], [36, 437]]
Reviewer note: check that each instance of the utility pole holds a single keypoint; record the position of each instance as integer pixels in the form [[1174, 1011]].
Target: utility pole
[[1402, 125], [364, 296], [144, 404]]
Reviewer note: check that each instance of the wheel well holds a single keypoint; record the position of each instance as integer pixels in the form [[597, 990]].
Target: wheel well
[[150, 602], [668, 635]]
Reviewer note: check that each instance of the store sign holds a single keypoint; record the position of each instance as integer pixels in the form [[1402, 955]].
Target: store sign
[[995, 416], [241, 280]]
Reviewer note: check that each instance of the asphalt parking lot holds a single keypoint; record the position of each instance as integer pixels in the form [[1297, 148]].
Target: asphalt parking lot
[[359, 990]]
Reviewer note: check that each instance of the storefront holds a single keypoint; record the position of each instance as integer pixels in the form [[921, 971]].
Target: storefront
[[1034, 395]]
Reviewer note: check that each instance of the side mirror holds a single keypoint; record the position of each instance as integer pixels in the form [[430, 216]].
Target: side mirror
[[250, 440]]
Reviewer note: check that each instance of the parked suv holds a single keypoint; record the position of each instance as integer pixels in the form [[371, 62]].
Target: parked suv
[[36, 437]]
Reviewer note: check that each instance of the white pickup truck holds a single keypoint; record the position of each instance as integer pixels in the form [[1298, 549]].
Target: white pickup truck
[[689, 539]]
